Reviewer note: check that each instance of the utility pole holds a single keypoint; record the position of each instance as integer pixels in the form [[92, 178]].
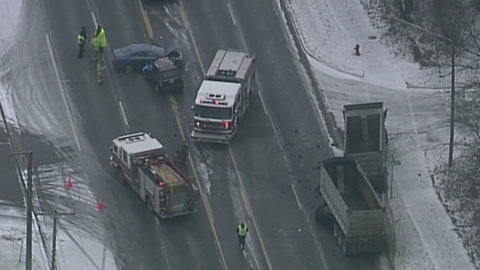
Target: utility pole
[[392, 163], [452, 108], [28, 260], [451, 42], [55, 215]]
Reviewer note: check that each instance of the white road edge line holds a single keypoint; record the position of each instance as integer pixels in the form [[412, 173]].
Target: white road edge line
[[319, 247], [169, 266], [94, 20], [229, 6], [261, 98], [257, 82], [62, 91], [296, 197], [124, 115]]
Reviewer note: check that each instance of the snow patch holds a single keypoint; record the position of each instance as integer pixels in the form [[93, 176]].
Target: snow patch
[[75, 251], [205, 172], [9, 17], [7, 106], [417, 122], [325, 33]]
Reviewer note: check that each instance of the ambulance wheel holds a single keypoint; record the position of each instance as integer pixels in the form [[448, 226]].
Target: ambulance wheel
[[150, 205], [128, 68]]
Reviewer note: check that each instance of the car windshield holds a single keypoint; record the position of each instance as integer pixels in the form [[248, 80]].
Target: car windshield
[[159, 51], [170, 74], [213, 112]]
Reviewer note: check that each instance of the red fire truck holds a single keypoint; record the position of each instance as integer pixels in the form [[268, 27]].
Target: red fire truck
[[139, 160]]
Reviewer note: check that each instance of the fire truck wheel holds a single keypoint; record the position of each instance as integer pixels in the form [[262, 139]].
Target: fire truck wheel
[[150, 204], [120, 176]]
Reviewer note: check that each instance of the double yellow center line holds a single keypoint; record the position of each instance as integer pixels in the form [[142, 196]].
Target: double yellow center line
[[176, 112]]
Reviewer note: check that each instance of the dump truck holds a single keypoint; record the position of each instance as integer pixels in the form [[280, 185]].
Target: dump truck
[[223, 96], [366, 140], [350, 201], [140, 161]]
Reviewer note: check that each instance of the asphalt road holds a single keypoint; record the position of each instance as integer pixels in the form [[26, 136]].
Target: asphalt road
[[137, 239], [255, 180], [266, 160]]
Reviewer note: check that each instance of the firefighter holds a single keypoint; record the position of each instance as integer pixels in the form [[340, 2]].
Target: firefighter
[[102, 39], [95, 45], [81, 40], [100, 69], [181, 156], [242, 231]]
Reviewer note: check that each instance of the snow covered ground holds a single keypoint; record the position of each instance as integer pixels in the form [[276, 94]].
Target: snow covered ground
[[417, 122], [76, 249]]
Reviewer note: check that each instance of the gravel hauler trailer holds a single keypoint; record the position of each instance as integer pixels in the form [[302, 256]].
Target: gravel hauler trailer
[[366, 140], [355, 207]]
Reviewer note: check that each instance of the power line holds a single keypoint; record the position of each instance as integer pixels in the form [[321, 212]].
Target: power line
[[55, 216]]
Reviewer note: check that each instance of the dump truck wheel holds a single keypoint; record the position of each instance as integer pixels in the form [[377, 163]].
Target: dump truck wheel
[[337, 234], [335, 230], [323, 218], [343, 244], [379, 247]]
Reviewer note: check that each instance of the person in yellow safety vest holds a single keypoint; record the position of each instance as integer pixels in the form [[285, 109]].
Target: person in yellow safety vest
[[95, 45], [101, 38], [242, 231], [100, 69], [81, 40]]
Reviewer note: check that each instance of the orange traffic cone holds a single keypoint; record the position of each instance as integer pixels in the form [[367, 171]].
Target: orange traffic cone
[[69, 183], [100, 205]]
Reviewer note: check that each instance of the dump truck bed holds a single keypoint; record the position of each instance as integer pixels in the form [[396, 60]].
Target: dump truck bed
[[365, 139], [351, 198]]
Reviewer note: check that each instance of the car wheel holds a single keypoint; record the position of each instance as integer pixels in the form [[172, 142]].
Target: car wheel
[[176, 57], [128, 68]]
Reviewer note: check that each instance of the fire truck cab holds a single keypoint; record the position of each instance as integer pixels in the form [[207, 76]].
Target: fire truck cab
[[140, 161], [224, 96]]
